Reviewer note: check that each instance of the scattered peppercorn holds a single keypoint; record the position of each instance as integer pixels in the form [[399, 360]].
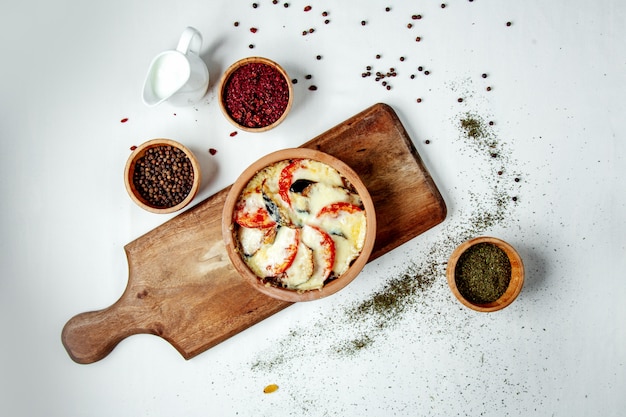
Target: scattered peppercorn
[[286, 5], [419, 38], [253, 30], [517, 180], [255, 5], [318, 57], [324, 13], [410, 25], [420, 68], [308, 76], [212, 151], [377, 56], [311, 30], [426, 72], [514, 198], [491, 123], [419, 100], [484, 75], [234, 133], [326, 21], [387, 9], [307, 8], [427, 141], [509, 23], [443, 5], [132, 148], [236, 24], [294, 81], [412, 76], [363, 22], [312, 88], [460, 100], [251, 46], [488, 88]]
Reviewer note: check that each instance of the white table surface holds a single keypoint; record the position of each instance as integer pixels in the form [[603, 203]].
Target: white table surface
[[72, 70]]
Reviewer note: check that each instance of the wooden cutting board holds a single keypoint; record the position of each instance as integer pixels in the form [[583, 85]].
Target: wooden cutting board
[[181, 285]]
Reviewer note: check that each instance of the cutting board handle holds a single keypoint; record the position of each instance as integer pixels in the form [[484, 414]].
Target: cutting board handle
[[89, 337]]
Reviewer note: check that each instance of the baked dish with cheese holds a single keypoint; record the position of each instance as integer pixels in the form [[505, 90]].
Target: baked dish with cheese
[[299, 224]]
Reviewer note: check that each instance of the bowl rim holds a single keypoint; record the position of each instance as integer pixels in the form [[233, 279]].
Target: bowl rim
[[228, 226], [243, 62], [130, 167], [515, 284]]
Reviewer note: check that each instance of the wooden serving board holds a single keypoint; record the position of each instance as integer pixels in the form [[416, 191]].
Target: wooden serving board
[[181, 285]]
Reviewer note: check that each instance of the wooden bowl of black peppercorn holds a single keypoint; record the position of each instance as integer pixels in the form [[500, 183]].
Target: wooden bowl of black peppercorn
[[162, 176]]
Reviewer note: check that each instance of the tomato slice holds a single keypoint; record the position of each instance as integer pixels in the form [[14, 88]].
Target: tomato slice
[[251, 212], [286, 178], [334, 209], [323, 248]]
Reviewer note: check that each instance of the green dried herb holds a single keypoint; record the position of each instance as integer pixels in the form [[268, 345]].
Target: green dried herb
[[483, 273], [473, 127]]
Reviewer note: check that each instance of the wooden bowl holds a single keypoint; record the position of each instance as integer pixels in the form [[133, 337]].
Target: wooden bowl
[[229, 228], [134, 193], [223, 93], [515, 284]]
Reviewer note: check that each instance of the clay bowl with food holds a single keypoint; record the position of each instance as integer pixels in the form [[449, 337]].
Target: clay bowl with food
[[255, 94], [485, 274], [299, 225], [162, 176]]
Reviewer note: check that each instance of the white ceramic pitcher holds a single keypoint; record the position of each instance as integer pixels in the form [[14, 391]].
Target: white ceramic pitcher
[[179, 76]]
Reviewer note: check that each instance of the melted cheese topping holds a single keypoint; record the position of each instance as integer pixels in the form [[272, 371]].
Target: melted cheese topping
[[304, 248]]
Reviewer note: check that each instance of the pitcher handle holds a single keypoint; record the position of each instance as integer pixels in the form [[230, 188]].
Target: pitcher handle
[[190, 41]]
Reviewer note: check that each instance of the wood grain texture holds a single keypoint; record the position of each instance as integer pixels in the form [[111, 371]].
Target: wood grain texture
[[181, 285]]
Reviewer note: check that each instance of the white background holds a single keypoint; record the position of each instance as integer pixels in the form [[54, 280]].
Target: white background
[[72, 70]]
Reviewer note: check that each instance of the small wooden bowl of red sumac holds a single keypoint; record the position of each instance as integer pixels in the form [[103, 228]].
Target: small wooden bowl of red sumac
[[255, 94], [162, 176]]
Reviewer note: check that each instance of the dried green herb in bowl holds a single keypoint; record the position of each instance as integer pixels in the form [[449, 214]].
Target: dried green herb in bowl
[[485, 274]]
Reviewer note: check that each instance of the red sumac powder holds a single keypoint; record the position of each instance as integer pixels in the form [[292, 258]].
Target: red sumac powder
[[256, 95]]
